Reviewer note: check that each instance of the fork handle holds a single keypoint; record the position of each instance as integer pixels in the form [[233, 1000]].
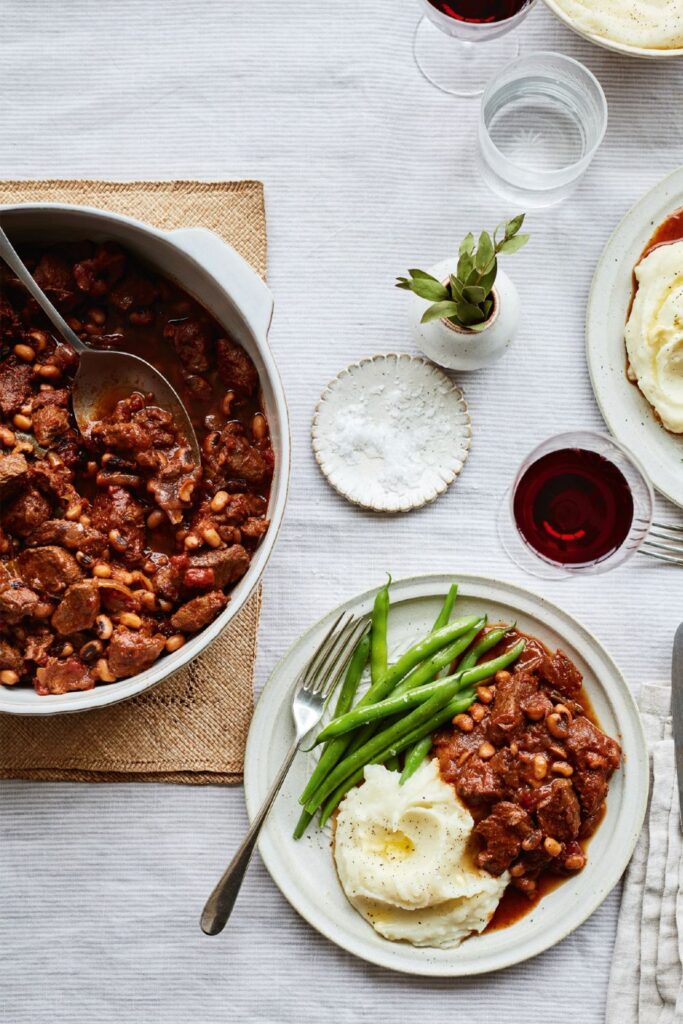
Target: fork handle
[[221, 901]]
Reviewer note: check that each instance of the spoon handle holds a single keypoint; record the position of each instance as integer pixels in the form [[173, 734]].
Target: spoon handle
[[14, 262]]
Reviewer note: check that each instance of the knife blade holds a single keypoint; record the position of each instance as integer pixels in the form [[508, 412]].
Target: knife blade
[[677, 709]]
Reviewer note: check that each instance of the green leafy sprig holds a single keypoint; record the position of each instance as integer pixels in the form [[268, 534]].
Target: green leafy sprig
[[466, 299]]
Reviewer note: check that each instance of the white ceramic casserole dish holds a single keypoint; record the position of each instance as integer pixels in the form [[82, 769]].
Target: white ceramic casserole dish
[[217, 276]]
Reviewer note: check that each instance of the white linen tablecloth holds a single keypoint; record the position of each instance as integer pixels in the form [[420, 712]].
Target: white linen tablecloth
[[368, 171]]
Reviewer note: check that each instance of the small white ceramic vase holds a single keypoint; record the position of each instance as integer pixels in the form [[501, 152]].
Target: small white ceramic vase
[[458, 348]]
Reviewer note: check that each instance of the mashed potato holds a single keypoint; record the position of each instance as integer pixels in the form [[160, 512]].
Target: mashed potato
[[401, 854], [654, 333], [649, 24]]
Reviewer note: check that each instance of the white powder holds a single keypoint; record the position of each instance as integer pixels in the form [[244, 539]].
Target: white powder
[[396, 426]]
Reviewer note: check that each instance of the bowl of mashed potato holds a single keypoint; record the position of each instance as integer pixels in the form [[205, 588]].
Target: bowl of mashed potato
[[641, 28]]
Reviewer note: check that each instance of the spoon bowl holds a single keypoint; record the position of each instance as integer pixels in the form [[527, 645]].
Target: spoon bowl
[[103, 374]]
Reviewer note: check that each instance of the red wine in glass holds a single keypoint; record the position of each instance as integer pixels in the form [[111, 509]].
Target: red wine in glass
[[573, 506], [480, 12]]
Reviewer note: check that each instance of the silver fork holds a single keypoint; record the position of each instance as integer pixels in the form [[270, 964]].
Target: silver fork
[[664, 541], [314, 685]]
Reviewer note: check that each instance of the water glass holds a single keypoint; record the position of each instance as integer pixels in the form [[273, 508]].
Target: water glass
[[542, 120]]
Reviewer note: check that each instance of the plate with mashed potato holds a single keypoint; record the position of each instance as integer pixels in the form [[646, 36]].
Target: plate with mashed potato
[[434, 870], [634, 334], [640, 28]]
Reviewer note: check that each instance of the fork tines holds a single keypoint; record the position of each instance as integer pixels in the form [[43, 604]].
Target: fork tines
[[665, 543], [329, 662]]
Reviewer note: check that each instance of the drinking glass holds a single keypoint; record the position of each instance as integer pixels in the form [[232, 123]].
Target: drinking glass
[[587, 514], [541, 122], [459, 44]]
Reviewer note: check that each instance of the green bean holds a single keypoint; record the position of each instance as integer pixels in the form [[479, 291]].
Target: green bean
[[393, 705], [446, 609], [460, 628], [459, 704], [425, 672], [333, 751], [392, 763], [378, 649], [415, 757], [387, 738], [489, 640], [412, 724], [398, 702]]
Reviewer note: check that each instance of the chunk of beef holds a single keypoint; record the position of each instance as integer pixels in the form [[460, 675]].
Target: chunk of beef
[[54, 481], [591, 785], [198, 386], [95, 276], [50, 424], [48, 569], [131, 652], [241, 507], [559, 672], [37, 646], [133, 292], [193, 341], [254, 529], [15, 385], [78, 608], [16, 601], [174, 483], [507, 717], [54, 273], [199, 612], [234, 457], [537, 706], [169, 572], [558, 811], [68, 534], [11, 328], [10, 658], [590, 748], [227, 564], [62, 676], [478, 782], [235, 368], [23, 516], [13, 473], [453, 748], [502, 834], [116, 510]]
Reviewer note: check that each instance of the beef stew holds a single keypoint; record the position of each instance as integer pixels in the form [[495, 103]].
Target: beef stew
[[116, 547]]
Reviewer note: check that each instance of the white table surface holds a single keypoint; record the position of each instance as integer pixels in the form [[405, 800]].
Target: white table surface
[[368, 171]]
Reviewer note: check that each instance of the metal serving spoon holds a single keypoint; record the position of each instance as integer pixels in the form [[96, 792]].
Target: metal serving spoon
[[100, 372]]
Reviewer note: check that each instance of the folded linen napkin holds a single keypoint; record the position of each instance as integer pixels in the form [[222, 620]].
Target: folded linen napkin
[[646, 983]]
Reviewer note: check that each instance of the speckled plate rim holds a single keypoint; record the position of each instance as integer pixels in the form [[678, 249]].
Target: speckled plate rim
[[454, 471], [624, 408], [611, 44], [271, 732]]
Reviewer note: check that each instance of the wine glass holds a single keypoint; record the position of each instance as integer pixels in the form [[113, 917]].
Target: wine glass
[[580, 504], [460, 44]]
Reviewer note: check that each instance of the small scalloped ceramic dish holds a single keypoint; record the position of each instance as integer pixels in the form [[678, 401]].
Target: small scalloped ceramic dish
[[391, 433]]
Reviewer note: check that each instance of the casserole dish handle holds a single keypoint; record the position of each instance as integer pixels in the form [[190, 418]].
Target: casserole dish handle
[[250, 294]]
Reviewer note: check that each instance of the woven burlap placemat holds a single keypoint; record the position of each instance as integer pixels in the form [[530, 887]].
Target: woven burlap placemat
[[191, 728]]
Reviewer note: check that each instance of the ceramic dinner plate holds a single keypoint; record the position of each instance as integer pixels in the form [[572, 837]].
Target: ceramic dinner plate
[[627, 413], [304, 870]]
